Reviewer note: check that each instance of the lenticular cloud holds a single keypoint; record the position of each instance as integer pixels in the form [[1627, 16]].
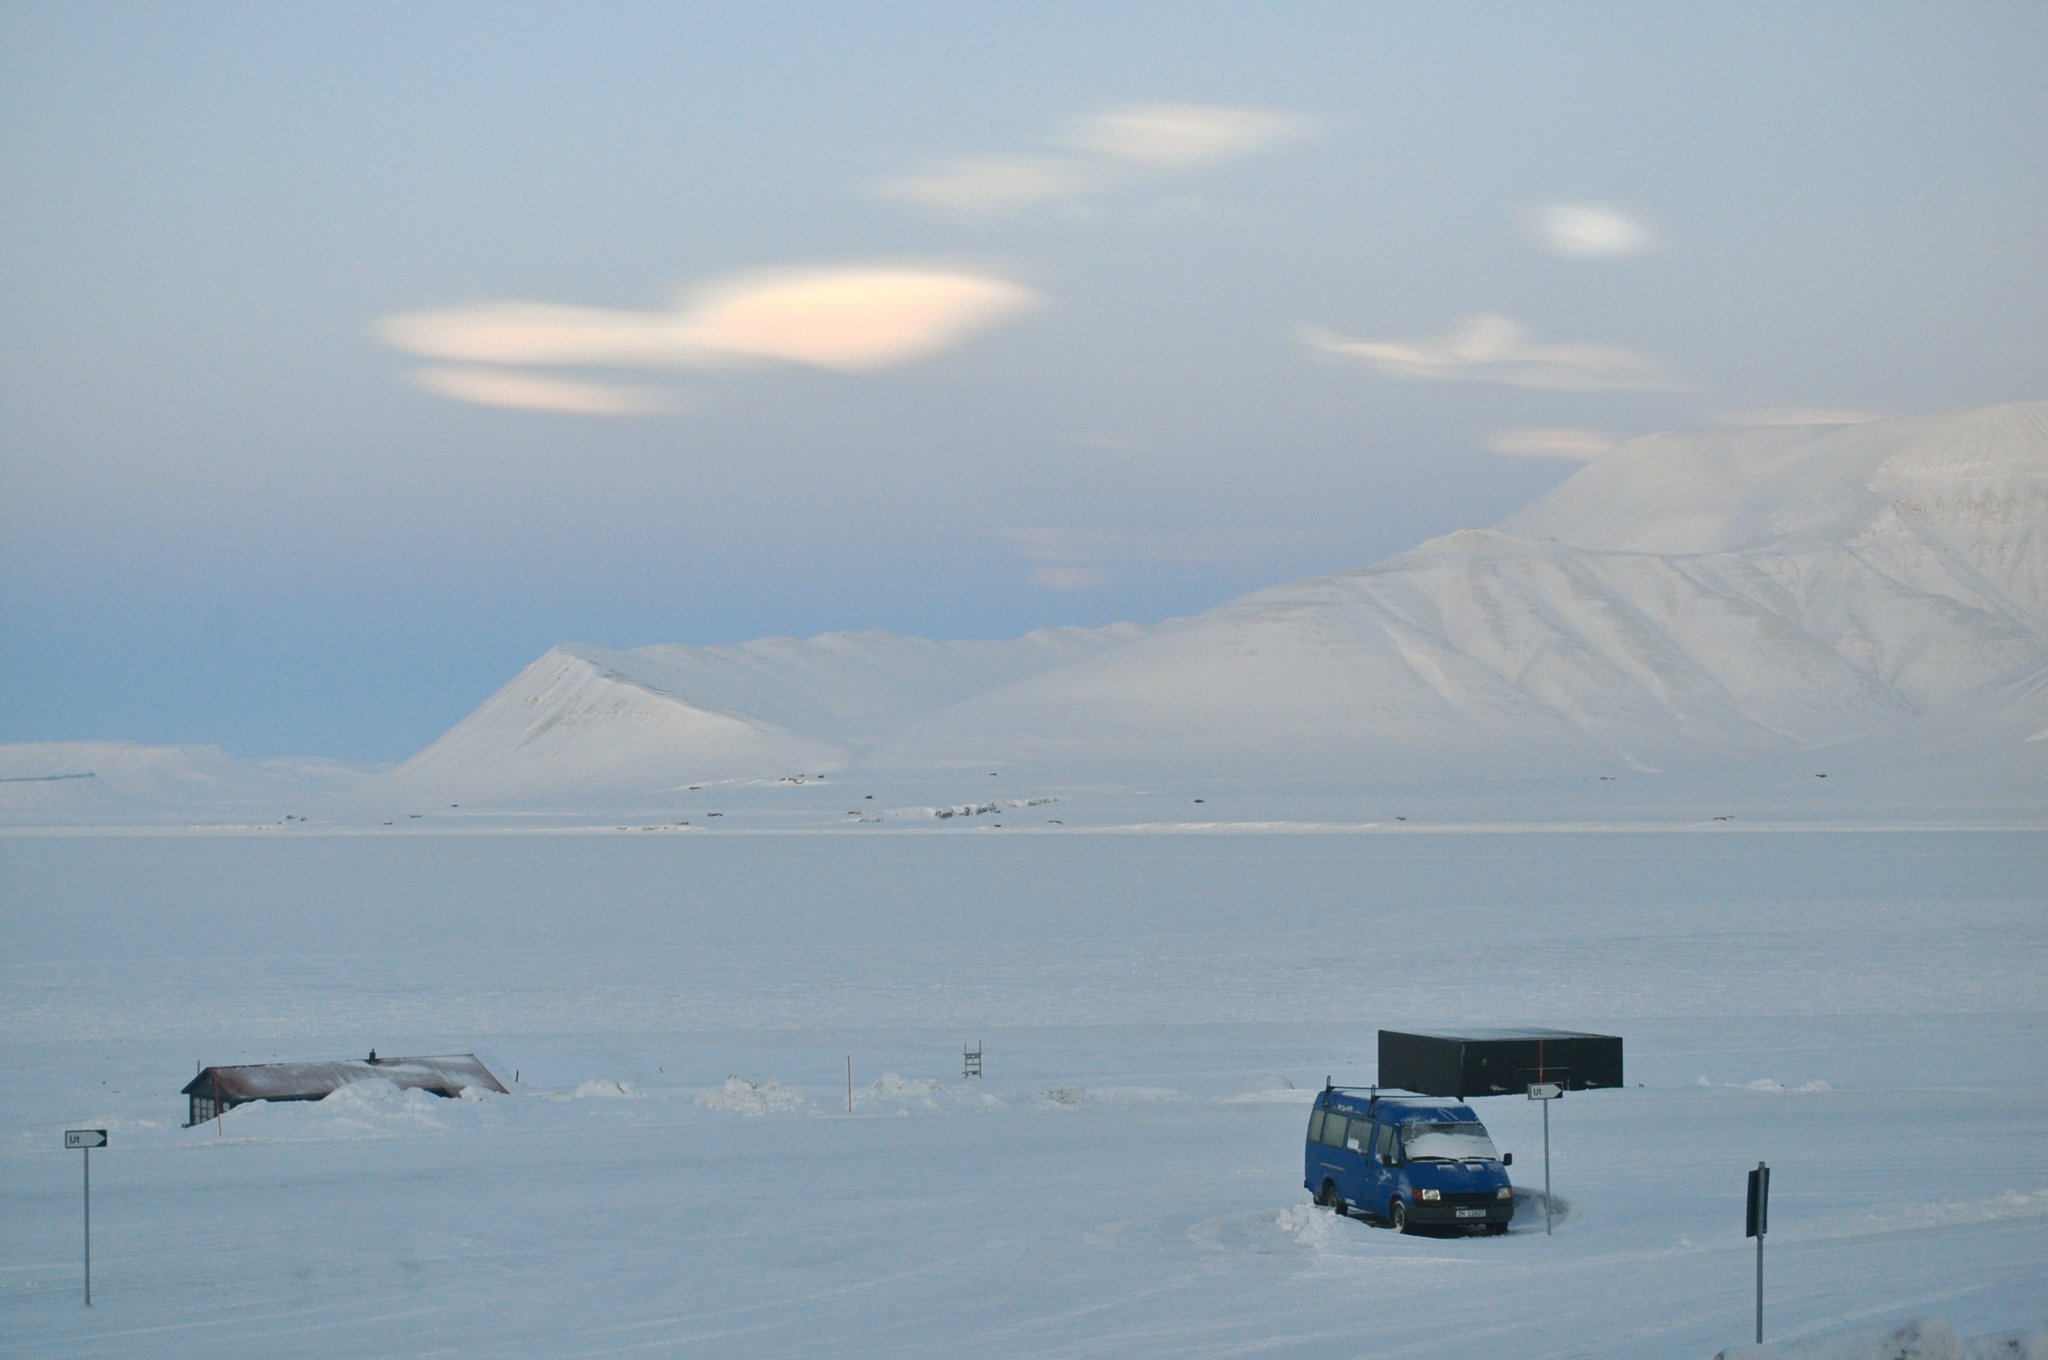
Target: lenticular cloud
[[848, 319]]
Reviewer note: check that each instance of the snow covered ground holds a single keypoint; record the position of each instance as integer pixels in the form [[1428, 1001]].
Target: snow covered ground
[[675, 1171]]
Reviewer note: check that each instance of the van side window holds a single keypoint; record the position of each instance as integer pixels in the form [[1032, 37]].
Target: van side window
[[1385, 1146], [1359, 1136], [1315, 1126], [1333, 1129]]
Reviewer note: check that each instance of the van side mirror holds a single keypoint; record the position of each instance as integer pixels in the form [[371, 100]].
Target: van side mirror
[[1507, 1159]]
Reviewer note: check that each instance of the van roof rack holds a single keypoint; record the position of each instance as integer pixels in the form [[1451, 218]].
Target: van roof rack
[[1372, 1091]]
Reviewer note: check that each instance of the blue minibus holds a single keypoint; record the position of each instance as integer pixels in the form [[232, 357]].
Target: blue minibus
[[1406, 1161]]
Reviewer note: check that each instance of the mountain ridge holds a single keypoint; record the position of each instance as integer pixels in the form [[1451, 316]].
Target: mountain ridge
[[1686, 601]]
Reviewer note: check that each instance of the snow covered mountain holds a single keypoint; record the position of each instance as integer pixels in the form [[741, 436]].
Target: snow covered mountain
[[82, 783], [1687, 599], [1687, 602], [1683, 599], [583, 723]]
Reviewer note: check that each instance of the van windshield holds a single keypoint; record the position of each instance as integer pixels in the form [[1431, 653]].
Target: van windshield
[[1447, 1143]]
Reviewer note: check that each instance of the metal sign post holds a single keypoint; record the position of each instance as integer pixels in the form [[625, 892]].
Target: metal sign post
[[1756, 1225], [85, 1140], [1546, 1091]]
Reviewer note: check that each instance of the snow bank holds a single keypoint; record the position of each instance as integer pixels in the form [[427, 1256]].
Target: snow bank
[[927, 1093], [374, 1108], [1946, 1213], [1269, 1091], [740, 1096], [1771, 1086], [1108, 1095], [1317, 1228], [1918, 1339], [597, 1088]]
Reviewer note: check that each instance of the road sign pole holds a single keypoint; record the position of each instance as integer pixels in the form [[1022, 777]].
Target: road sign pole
[[1546, 1091], [85, 1140], [1760, 1289], [88, 1227]]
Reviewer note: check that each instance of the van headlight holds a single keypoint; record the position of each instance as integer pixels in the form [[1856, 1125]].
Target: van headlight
[[1505, 1192], [1429, 1194]]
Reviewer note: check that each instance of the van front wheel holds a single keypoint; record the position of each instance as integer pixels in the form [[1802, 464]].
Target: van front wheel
[[1397, 1216]]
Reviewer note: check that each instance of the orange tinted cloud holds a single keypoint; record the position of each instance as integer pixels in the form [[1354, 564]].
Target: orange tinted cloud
[[539, 392], [850, 319], [1498, 349], [1096, 154], [1574, 442]]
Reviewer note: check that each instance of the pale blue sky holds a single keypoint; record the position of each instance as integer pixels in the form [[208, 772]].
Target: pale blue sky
[[1188, 299]]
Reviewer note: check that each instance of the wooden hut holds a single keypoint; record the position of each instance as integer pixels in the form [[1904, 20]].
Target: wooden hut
[[217, 1089]]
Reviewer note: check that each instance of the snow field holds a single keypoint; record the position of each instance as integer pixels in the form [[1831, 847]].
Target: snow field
[[674, 1172]]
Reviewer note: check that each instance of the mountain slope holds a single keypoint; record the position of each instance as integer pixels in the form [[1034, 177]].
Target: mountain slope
[[83, 783], [585, 724], [1686, 600]]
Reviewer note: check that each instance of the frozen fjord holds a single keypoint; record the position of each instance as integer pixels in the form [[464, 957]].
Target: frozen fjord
[[1866, 1010]]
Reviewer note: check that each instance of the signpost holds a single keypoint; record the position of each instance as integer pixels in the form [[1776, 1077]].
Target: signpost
[[1756, 1224], [85, 1140], [1546, 1091]]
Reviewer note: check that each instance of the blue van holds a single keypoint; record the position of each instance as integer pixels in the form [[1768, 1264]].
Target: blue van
[[1406, 1161]]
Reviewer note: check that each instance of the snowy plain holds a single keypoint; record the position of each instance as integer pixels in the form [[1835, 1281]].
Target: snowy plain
[[1735, 744], [675, 1171]]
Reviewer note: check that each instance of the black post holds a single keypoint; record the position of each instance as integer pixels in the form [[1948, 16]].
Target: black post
[[1757, 1224]]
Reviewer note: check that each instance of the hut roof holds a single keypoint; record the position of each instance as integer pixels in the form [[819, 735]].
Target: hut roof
[[447, 1075]]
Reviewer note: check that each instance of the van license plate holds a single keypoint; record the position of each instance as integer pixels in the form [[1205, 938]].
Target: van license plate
[[1471, 1213]]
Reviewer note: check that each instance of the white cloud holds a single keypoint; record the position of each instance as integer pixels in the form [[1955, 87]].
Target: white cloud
[[990, 186], [538, 392], [1574, 442], [1497, 349], [847, 319], [1181, 136], [1589, 231], [1097, 154], [1068, 578], [549, 333]]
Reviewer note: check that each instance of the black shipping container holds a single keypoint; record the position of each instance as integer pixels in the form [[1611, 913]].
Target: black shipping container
[[1498, 1062]]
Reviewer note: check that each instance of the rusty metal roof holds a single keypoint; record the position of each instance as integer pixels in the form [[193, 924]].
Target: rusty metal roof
[[447, 1075]]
